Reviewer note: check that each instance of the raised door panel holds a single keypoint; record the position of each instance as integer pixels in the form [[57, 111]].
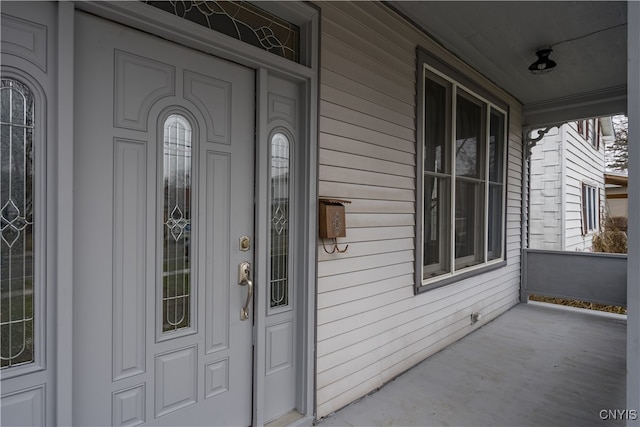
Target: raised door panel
[[217, 242], [139, 83], [24, 408], [129, 255]]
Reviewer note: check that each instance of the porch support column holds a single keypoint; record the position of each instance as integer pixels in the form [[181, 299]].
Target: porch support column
[[633, 267]]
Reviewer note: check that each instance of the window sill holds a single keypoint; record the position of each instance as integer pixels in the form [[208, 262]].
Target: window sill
[[420, 288]]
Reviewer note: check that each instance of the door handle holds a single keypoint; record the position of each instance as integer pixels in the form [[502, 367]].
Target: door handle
[[244, 279]]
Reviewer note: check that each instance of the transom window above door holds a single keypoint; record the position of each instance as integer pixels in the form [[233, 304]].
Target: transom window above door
[[242, 21]]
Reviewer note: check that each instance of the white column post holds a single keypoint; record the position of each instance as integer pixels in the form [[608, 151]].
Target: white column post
[[633, 253]]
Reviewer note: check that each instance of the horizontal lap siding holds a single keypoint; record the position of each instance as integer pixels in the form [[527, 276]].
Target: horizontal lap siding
[[583, 164], [370, 325]]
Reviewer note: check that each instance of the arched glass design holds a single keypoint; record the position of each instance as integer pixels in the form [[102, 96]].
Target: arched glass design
[[176, 227], [280, 170], [16, 224]]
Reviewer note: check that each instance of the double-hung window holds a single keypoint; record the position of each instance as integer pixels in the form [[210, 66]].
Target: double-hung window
[[590, 130], [461, 166], [590, 203]]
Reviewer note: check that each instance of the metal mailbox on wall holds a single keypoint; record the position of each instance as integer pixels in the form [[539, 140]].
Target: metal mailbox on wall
[[332, 218]]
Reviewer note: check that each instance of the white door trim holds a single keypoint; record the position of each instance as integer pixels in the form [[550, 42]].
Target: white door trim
[[140, 16], [64, 253]]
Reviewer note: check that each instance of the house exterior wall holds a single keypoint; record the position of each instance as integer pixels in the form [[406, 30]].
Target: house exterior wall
[[545, 193], [584, 164], [560, 163], [370, 325]]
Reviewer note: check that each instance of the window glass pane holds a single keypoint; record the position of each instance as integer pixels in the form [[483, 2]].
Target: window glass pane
[[16, 224], [590, 206], [595, 208], [469, 229], [436, 157], [469, 140], [437, 229], [176, 273], [496, 146], [495, 221], [279, 283]]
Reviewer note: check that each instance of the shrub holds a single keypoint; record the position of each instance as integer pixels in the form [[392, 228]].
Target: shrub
[[613, 236], [611, 241], [616, 223]]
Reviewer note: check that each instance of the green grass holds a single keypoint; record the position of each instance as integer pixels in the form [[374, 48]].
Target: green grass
[[176, 285], [19, 349]]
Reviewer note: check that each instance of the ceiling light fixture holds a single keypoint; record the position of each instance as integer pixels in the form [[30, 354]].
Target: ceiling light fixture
[[544, 64]]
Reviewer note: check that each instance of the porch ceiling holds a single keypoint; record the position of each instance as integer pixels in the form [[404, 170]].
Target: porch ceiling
[[500, 38]]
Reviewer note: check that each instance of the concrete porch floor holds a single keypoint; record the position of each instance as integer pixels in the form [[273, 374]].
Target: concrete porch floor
[[536, 365]]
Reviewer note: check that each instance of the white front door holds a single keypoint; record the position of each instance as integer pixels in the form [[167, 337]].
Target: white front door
[[163, 196]]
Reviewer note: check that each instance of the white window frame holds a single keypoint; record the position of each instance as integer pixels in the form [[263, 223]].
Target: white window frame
[[491, 103], [590, 209]]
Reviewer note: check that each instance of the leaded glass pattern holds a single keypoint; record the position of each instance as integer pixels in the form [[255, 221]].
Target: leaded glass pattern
[[176, 272], [16, 224], [242, 21], [280, 168]]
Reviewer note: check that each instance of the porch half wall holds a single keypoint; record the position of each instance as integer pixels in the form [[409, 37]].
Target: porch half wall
[[370, 325]]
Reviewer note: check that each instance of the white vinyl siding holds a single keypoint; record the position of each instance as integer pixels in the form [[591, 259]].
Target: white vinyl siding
[[370, 325], [584, 164], [560, 164]]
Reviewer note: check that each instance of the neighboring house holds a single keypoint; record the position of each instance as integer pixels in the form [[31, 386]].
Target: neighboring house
[[160, 254], [616, 186], [566, 190]]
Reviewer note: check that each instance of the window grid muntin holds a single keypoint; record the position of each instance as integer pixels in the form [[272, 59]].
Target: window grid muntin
[[428, 72], [280, 150], [177, 283], [17, 225]]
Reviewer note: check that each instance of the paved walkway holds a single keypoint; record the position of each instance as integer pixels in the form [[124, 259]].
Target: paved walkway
[[536, 365]]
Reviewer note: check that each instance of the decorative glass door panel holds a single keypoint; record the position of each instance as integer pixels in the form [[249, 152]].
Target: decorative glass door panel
[[16, 224], [176, 273], [280, 170]]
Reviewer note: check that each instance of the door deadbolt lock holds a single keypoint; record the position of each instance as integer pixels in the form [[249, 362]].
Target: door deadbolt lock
[[245, 243]]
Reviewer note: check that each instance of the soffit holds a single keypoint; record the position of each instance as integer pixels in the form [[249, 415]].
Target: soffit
[[499, 39]]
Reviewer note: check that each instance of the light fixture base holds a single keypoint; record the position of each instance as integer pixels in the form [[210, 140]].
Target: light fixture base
[[544, 64]]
